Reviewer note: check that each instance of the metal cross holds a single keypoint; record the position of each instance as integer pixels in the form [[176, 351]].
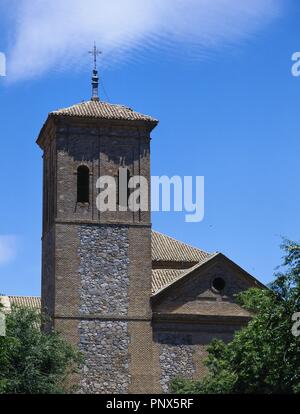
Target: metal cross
[[95, 52]]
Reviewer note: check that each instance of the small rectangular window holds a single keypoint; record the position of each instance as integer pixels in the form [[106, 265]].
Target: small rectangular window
[[83, 184]]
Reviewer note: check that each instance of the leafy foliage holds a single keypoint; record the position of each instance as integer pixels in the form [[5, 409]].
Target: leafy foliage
[[263, 357], [32, 362]]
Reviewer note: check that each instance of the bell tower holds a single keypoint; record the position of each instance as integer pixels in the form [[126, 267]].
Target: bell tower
[[96, 265]]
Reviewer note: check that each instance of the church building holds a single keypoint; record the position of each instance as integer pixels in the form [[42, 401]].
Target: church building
[[141, 306]]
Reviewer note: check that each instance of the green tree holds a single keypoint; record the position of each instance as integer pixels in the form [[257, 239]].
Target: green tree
[[32, 362], [263, 357]]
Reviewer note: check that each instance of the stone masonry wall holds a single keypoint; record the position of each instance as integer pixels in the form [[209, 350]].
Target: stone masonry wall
[[104, 262], [105, 347], [103, 269], [175, 357]]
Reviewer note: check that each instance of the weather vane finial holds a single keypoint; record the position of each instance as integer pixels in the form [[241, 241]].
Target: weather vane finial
[[95, 79]]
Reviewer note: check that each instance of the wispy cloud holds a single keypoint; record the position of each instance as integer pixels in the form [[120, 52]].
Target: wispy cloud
[[8, 247], [50, 34]]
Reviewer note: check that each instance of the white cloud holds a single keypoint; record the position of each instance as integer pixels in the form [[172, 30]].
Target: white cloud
[[8, 245], [50, 34]]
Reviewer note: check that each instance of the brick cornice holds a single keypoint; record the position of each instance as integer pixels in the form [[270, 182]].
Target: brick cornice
[[99, 317], [203, 319]]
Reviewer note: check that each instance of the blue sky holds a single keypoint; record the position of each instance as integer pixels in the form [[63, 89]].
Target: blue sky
[[219, 80]]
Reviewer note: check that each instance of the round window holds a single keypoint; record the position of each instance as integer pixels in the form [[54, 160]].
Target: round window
[[218, 284]]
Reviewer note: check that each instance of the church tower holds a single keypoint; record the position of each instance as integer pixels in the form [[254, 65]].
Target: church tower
[[96, 266]]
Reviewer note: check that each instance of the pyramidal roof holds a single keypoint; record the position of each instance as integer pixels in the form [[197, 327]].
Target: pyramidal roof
[[102, 110]]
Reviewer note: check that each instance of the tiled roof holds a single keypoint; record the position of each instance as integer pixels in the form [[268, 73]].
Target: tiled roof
[[32, 302], [163, 277], [103, 110], [178, 257], [167, 249]]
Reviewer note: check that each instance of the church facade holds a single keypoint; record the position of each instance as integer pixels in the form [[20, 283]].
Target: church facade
[[140, 305]]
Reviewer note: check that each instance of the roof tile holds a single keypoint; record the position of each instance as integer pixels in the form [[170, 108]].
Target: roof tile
[[103, 110], [163, 277], [167, 249], [32, 302]]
